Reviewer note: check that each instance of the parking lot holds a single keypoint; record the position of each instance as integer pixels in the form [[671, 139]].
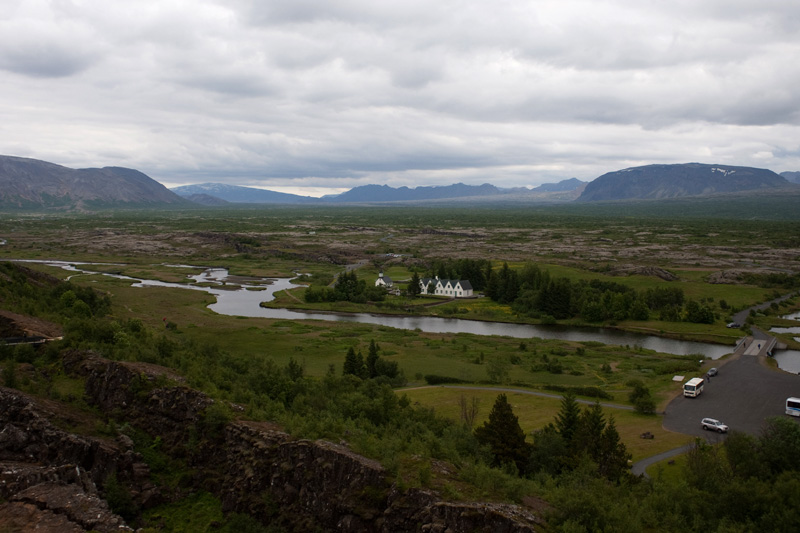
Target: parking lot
[[742, 396]]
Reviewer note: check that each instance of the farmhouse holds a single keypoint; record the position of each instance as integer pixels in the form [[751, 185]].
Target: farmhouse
[[454, 288], [384, 281]]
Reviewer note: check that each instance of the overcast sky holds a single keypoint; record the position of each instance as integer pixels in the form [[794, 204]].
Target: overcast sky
[[307, 95]]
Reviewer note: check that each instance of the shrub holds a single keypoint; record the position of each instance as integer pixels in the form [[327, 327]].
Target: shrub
[[215, 418], [641, 398], [434, 379], [119, 497]]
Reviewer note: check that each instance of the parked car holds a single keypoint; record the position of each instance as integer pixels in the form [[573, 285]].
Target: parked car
[[734, 325], [712, 424], [712, 372]]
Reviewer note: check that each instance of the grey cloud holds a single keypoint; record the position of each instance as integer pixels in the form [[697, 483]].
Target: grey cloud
[[512, 92], [45, 50], [44, 61]]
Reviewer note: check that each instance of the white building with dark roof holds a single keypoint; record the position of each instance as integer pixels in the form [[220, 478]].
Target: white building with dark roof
[[384, 281], [452, 288]]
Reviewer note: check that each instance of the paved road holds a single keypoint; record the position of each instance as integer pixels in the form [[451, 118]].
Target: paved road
[[743, 395], [640, 468], [741, 316]]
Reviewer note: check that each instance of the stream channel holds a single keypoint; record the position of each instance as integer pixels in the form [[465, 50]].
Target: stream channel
[[242, 297]]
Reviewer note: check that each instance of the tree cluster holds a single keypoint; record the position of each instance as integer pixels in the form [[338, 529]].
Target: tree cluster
[[348, 288], [575, 437], [751, 482], [36, 294], [473, 270], [580, 437], [504, 437], [534, 292], [374, 366]]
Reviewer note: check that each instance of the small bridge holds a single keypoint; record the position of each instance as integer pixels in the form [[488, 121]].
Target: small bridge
[[757, 346]]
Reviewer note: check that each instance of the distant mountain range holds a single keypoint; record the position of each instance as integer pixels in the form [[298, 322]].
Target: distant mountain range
[[793, 177], [572, 184], [239, 195], [33, 184], [382, 193], [656, 182]]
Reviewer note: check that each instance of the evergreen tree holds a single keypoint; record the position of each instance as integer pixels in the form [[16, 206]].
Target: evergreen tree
[[504, 436], [492, 285], [549, 453], [362, 366], [613, 458], [639, 310], [555, 297], [294, 370], [568, 417], [414, 288], [507, 288], [372, 359], [588, 435], [354, 364]]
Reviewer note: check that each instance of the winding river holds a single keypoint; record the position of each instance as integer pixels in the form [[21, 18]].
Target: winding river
[[243, 296]]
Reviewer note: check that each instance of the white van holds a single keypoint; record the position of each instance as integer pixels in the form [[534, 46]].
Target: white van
[[693, 387], [793, 406]]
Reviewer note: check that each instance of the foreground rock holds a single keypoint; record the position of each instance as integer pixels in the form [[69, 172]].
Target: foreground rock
[[52, 480], [253, 468]]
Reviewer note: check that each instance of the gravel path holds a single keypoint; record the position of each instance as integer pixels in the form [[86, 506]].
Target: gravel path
[[522, 391]]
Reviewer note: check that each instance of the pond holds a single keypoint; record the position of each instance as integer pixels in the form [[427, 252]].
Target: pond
[[788, 360], [793, 316], [794, 329]]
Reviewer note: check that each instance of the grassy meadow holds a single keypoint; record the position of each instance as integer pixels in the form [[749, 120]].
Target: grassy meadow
[[283, 241], [534, 412]]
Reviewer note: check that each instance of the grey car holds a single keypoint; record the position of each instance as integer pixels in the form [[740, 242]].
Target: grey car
[[712, 424]]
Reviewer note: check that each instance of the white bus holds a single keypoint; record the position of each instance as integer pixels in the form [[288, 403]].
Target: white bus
[[693, 387], [793, 406]]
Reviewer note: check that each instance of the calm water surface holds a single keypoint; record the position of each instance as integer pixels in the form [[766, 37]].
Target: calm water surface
[[793, 316], [243, 298]]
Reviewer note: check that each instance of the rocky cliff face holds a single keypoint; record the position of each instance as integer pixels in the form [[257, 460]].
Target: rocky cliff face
[[253, 468], [51, 480]]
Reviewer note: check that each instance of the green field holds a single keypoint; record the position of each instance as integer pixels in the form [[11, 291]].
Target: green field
[[535, 412], [563, 241]]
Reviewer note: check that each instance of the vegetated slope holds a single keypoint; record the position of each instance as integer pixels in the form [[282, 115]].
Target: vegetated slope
[[766, 204], [240, 195], [562, 186], [206, 199], [674, 181], [34, 184]]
